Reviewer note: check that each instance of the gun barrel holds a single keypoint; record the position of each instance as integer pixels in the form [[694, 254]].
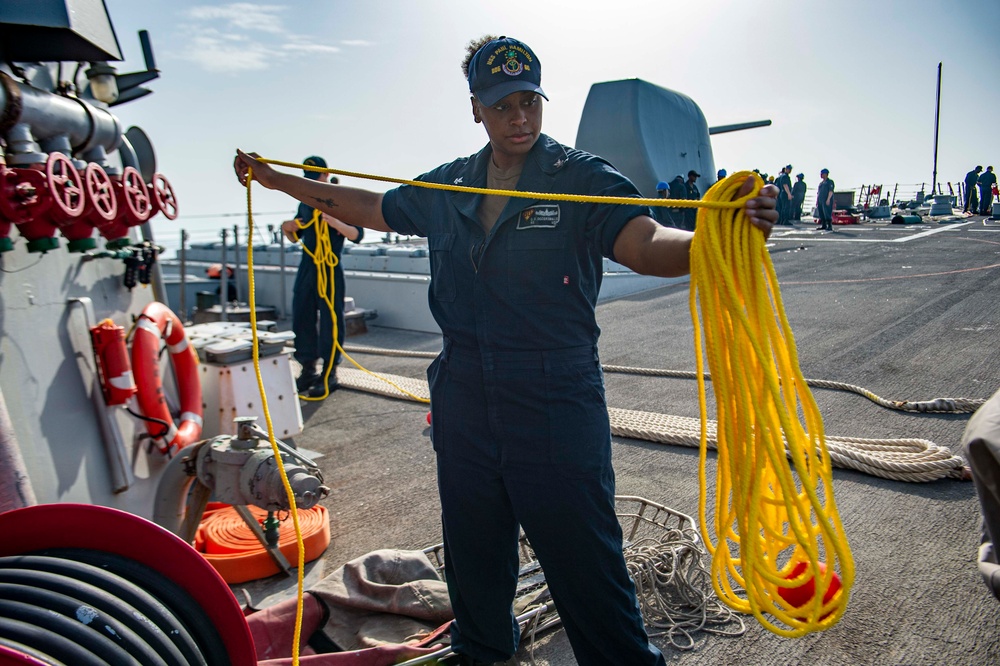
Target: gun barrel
[[722, 129]]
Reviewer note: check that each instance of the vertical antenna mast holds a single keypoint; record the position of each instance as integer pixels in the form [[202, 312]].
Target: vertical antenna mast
[[937, 114]]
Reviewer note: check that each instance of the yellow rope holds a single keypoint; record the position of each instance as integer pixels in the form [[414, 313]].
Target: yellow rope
[[521, 194], [766, 521], [293, 510]]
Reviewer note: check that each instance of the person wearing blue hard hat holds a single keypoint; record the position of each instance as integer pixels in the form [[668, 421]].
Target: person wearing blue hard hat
[[661, 213], [720, 175]]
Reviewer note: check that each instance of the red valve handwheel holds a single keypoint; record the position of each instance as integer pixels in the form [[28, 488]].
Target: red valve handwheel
[[163, 193], [65, 185], [136, 194], [100, 191]]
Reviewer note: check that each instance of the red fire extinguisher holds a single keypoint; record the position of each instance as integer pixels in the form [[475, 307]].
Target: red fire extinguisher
[[113, 362]]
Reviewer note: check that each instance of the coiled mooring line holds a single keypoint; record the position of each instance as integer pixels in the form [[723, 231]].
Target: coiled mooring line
[[766, 518]]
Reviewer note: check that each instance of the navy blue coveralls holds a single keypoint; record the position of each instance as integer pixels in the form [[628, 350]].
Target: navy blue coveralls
[[691, 214], [311, 320], [798, 197], [987, 180], [823, 209], [784, 203], [520, 425], [971, 198]]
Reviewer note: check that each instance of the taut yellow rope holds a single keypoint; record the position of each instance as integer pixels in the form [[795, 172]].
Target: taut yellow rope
[[521, 194], [769, 521]]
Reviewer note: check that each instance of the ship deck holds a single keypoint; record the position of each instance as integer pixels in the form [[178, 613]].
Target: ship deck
[[907, 311]]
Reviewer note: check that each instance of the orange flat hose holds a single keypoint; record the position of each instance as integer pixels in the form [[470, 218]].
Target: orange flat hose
[[232, 549]]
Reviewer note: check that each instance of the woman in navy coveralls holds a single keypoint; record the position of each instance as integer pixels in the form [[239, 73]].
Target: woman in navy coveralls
[[520, 425]]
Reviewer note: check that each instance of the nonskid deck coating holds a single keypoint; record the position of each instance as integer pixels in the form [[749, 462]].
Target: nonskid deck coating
[[911, 320]]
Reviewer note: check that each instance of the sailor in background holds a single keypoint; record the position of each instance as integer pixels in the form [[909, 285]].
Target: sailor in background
[[691, 191], [214, 272], [678, 191], [784, 184], [662, 214], [987, 182], [798, 196], [824, 200], [971, 198], [520, 424], [311, 319]]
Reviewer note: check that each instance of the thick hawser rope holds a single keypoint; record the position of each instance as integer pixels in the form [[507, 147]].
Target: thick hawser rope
[[912, 460], [773, 495]]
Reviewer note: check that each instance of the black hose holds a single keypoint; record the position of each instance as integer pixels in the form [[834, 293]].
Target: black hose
[[166, 426], [114, 595], [89, 615], [51, 644], [98, 647], [110, 608], [195, 618]]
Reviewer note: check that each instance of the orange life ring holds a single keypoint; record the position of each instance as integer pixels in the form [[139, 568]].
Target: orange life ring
[[158, 321]]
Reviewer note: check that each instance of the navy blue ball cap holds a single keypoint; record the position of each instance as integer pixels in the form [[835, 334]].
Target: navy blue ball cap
[[316, 161], [824, 171], [504, 66]]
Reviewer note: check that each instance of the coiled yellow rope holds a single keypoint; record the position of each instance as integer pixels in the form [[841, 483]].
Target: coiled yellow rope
[[767, 519]]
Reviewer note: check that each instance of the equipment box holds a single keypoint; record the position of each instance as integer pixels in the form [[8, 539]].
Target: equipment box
[[229, 390]]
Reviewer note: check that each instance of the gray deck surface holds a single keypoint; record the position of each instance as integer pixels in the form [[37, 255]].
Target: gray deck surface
[[909, 312]]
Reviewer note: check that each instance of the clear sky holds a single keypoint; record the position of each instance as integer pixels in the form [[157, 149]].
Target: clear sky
[[375, 85]]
